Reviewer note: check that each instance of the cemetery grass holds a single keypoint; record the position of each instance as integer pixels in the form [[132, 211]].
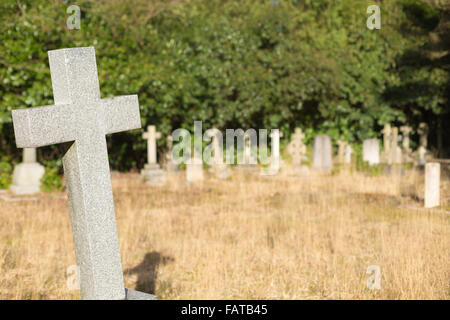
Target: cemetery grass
[[247, 237]]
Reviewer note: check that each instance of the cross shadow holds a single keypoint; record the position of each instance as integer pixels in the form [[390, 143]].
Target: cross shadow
[[147, 271]]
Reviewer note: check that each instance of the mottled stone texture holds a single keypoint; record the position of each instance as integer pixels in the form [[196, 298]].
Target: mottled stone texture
[[432, 183], [322, 153], [371, 151], [82, 119]]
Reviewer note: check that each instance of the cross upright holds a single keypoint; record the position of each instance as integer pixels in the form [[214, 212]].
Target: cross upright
[[82, 119], [151, 136]]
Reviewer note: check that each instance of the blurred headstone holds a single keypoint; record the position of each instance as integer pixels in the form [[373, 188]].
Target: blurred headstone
[[152, 173], [432, 184], [27, 175], [322, 153]]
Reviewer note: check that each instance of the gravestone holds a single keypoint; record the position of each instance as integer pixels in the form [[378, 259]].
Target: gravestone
[[296, 148], [406, 149], [386, 143], [322, 153], [27, 175], [395, 152], [423, 143], [371, 151], [81, 119], [432, 183], [152, 173]]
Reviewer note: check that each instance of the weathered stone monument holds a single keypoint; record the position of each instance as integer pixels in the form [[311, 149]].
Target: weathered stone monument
[[386, 143], [27, 175], [152, 173], [371, 151], [322, 153], [395, 152], [432, 184], [81, 119], [297, 150], [406, 149], [423, 143]]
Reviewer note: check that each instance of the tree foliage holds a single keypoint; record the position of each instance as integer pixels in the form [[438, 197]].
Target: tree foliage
[[232, 64]]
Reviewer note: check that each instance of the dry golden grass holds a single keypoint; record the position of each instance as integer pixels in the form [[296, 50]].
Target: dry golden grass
[[248, 237]]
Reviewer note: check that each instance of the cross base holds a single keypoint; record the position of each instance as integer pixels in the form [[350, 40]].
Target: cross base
[[137, 295], [26, 178], [152, 174]]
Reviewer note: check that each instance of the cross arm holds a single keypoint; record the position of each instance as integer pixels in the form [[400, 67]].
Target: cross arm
[[122, 113], [42, 126]]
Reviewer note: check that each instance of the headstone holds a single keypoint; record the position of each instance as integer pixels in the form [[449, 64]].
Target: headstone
[[406, 149], [81, 119], [152, 173], [322, 153], [423, 142], [386, 142], [27, 175], [296, 148], [395, 152], [432, 183], [371, 151]]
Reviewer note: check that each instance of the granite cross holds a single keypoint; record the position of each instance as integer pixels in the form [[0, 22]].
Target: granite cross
[[151, 136], [82, 119]]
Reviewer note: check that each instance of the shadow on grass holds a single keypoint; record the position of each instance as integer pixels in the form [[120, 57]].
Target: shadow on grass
[[147, 271]]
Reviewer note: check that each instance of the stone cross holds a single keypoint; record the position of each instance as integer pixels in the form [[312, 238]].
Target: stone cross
[[423, 132], [296, 147], [81, 119], [371, 151], [432, 182], [406, 131], [322, 153], [151, 136]]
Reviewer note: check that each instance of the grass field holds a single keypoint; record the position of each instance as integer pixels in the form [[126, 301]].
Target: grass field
[[248, 237]]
